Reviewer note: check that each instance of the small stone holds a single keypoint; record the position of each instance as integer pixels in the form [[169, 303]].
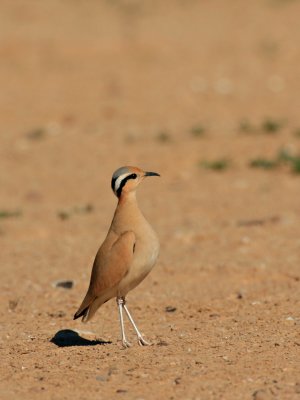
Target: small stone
[[63, 215], [260, 395], [143, 375], [12, 304], [100, 378], [58, 314], [36, 134], [64, 284], [170, 309], [162, 343], [214, 315]]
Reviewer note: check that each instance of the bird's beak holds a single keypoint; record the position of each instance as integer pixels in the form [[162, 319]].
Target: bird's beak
[[151, 174]]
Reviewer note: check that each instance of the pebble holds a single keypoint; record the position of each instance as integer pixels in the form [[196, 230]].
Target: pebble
[[290, 319], [170, 309], [63, 284], [101, 378], [260, 395]]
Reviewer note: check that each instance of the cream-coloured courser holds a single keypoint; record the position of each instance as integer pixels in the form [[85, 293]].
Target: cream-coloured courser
[[126, 256]]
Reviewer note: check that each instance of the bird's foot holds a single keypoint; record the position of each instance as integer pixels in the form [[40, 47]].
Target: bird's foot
[[126, 344], [143, 342]]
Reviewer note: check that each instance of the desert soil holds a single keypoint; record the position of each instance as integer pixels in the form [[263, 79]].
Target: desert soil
[[87, 87]]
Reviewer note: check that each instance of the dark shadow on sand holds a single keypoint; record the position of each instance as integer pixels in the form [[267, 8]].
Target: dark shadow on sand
[[68, 338]]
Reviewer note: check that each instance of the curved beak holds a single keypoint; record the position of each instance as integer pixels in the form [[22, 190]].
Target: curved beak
[[151, 174]]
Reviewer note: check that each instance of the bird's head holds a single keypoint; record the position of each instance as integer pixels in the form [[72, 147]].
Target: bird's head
[[127, 179]]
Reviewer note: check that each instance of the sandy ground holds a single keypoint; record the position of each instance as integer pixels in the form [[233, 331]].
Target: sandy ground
[[87, 87]]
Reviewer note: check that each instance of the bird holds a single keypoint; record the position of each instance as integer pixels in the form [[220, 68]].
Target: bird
[[127, 255]]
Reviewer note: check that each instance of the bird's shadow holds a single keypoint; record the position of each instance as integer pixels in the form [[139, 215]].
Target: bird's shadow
[[69, 338]]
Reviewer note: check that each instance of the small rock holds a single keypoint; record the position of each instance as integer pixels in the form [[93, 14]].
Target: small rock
[[260, 395], [12, 304], [36, 134], [58, 314], [101, 378], [121, 391], [85, 209], [162, 343], [143, 375], [177, 381], [112, 370], [63, 215], [64, 284], [170, 309]]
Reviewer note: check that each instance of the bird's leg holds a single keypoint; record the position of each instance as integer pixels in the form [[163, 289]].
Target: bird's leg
[[120, 302], [141, 340]]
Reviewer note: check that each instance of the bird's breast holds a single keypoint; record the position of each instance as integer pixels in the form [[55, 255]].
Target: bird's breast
[[145, 255]]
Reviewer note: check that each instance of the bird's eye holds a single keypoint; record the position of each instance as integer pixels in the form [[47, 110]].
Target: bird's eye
[[134, 176]]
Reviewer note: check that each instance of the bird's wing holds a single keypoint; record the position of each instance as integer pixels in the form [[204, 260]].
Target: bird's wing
[[110, 266]]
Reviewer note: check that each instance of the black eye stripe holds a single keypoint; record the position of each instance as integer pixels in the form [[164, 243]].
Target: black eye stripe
[[113, 181], [123, 183]]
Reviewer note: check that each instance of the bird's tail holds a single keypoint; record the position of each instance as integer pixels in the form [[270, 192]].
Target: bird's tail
[[82, 313], [87, 312]]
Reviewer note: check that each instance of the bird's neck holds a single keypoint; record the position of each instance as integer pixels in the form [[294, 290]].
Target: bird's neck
[[127, 214], [127, 209]]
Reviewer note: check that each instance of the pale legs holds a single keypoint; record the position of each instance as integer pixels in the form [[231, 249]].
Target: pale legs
[[122, 304]]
